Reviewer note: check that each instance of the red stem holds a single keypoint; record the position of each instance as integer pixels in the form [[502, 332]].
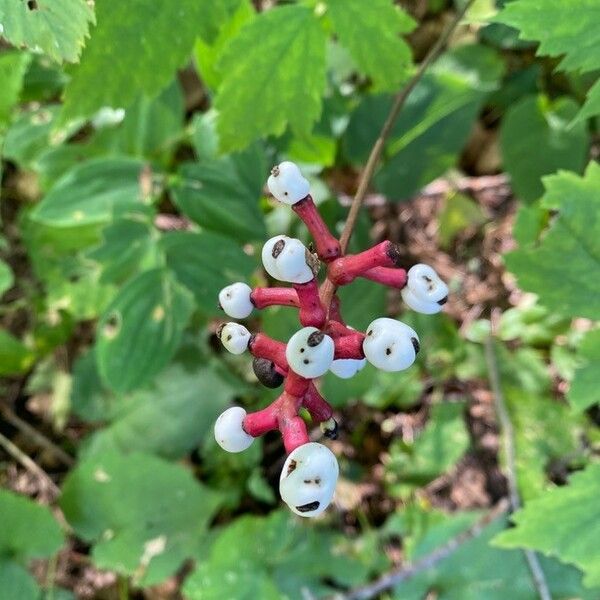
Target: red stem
[[316, 405], [347, 268], [334, 310], [395, 278], [292, 427], [296, 385], [258, 423], [262, 346], [312, 312], [328, 247], [348, 342], [263, 297]]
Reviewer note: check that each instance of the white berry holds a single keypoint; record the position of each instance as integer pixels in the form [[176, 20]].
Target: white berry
[[287, 184], [345, 368], [310, 352], [234, 337], [390, 345], [425, 292], [285, 259], [229, 430], [235, 300], [308, 479]]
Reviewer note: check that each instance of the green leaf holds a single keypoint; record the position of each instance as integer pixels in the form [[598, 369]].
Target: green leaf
[[564, 29], [139, 37], [222, 195], [273, 76], [584, 391], [205, 263], [128, 244], [371, 31], [477, 571], [141, 329], [570, 287], [12, 69], [548, 126], [439, 446], [6, 277], [16, 582], [591, 108], [565, 523], [544, 429], [285, 556], [15, 357], [362, 302], [20, 518], [435, 121], [56, 27], [89, 192], [144, 516], [170, 417]]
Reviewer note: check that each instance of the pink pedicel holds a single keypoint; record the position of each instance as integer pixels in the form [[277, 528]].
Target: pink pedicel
[[328, 247]]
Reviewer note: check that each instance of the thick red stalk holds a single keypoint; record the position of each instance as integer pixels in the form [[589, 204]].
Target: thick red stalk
[[347, 268], [328, 247], [316, 405], [263, 297], [350, 346], [312, 312], [292, 427], [394, 278], [262, 346], [262, 421], [296, 385]]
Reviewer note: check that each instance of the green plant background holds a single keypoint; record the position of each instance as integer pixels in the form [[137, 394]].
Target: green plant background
[[136, 138]]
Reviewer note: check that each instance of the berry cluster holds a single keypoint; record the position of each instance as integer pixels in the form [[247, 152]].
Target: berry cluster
[[325, 343]]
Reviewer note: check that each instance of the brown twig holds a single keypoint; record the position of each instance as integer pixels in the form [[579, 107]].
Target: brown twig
[[396, 576], [35, 436], [365, 179], [508, 441], [27, 463]]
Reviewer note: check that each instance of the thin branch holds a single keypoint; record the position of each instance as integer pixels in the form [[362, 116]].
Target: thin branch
[[399, 101], [508, 442], [27, 463], [397, 576], [35, 436], [328, 288]]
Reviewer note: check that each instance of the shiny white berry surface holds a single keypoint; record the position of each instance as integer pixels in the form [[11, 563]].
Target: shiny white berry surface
[[308, 479], [229, 431], [234, 337], [235, 300], [390, 345], [287, 184], [309, 352]]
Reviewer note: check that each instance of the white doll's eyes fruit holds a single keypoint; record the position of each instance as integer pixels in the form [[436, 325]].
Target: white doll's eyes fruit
[[390, 345], [234, 337], [425, 292], [309, 352], [229, 430], [235, 300], [287, 184], [345, 368], [308, 479], [286, 259]]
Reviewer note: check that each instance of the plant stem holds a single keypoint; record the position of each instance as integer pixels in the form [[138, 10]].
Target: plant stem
[[35, 436], [508, 442], [28, 463], [367, 174], [396, 576]]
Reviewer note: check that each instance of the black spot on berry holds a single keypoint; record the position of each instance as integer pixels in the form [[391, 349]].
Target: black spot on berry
[[416, 345], [443, 301], [291, 467], [388, 351], [278, 247], [308, 507], [306, 361], [315, 338]]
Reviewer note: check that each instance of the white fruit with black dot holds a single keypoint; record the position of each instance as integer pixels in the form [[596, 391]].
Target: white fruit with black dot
[[229, 430], [390, 345], [235, 300], [309, 352], [308, 479], [424, 292], [285, 259], [287, 184], [234, 337]]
